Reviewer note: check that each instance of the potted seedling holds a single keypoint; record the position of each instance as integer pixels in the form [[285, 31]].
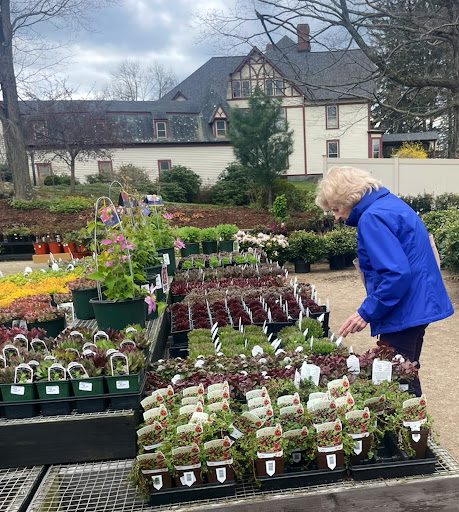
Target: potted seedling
[[415, 421], [85, 386], [191, 236], [209, 240], [305, 248], [16, 385], [298, 446], [359, 428], [270, 455], [226, 234], [151, 437], [53, 384], [219, 459], [187, 463], [153, 465], [330, 453], [122, 378]]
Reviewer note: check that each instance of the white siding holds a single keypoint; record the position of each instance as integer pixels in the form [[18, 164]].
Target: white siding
[[295, 123], [206, 161], [352, 134]]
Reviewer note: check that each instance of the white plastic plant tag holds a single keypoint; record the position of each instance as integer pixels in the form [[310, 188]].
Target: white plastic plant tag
[[403, 387], [221, 474], [2, 363], [297, 379], [52, 390], [23, 374], [311, 372], [276, 343], [415, 437], [305, 333], [68, 309], [311, 342], [265, 329], [164, 278], [158, 284], [270, 467], [157, 481], [332, 336], [119, 364], [338, 341], [218, 348], [382, 371], [22, 341], [279, 351], [76, 333], [270, 336], [321, 317], [188, 478], [145, 287], [296, 456], [257, 350], [331, 461], [100, 334], [128, 343], [166, 259], [358, 447], [327, 305], [300, 318], [122, 384], [17, 390], [131, 329], [39, 346], [353, 364], [10, 351], [85, 386]]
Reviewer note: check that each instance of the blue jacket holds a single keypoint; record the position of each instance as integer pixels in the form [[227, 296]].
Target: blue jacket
[[403, 283]]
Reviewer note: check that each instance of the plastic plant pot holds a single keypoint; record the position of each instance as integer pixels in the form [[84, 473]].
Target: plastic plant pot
[[321, 459], [212, 474], [83, 309], [118, 315], [18, 392], [209, 247], [337, 262], [89, 388], [302, 267], [172, 264], [261, 466], [123, 383], [52, 327], [226, 246], [190, 248], [156, 269], [55, 247], [197, 475], [51, 394], [420, 446]]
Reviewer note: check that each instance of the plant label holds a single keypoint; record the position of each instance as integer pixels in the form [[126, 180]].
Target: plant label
[[270, 466], [221, 474], [17, 390], [100, 334], [145, 287], [131, 329], [119, 364], [128, 343], [310, 372], [52, 390], [358, 447], [381, 372], [2, 363], [321, 318], [297, 379], [270, 336], [22, 341], [56, 372], [311, 342], [23, 374], [332, 336], [164, 278], [39, 346], [166, 259], [188, 478], [85, 386], [76, 333], [10, 351], [157, 481], [214, 328], [276, 343], [338, 341], [257, 350], [68, 309], [122, 384], [353, 364], [305, 333], [331, 461], [300, 319], [403, 387], [158, 284]]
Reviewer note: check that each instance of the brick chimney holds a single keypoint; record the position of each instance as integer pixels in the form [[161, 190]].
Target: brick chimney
[[302, 31]]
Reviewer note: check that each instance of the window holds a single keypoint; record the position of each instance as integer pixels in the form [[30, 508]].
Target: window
[[105, 168], [161, 129], [281, 124], [245, 88], [332, 117], [236, 89], [333, 148], [220, 128], [376, 148], [274, 87], [164, 165], [44, 170], [39, 130]]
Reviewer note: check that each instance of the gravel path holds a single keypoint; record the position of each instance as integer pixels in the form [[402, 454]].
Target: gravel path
[[439, 372]]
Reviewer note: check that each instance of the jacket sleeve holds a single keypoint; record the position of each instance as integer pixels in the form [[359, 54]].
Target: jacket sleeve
[[389, 262]]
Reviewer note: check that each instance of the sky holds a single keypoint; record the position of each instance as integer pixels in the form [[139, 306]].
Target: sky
[[165, 31]]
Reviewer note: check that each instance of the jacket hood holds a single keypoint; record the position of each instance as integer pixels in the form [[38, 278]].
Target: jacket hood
[[367, 200]]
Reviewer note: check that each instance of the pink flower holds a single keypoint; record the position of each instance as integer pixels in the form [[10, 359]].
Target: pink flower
[[120, 238], [106, 242], [110, 250], [109, 264], [168, 216], [150, 300], [124, 258], [179, 244]]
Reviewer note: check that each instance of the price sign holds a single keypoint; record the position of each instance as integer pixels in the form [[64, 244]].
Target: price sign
[[52, 390], [122, 384], [17, 390], [85, 386]]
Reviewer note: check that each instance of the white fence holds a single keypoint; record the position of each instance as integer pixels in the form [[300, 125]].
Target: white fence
[[407, 176]]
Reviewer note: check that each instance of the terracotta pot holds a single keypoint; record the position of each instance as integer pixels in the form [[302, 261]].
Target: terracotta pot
[[55, 247], [420, 446], [81, 248], [321, 459], [41, 248], [261, 466], [70, 248]]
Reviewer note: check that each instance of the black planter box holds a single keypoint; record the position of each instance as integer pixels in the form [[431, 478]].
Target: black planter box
[[194, 493], [179, 350], [391, 462], [326, 314], [275, 327], [293, 478]]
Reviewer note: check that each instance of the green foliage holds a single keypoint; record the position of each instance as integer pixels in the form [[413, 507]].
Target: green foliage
[[232, 186], [70, 205], [188, 180], [55, 179], [314, 327], [445, 201], [133, 177], [341, 241], [209, 234], [189, 234], [173, 193], [18, 230], [22, 204], [226, 231], [99, 177], [5, 173], [261, 140], [306, 246], [444, 226], [421, 203], [410, 150], [279, 209]]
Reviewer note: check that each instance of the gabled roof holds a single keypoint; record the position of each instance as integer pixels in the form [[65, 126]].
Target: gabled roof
[[324, 75]]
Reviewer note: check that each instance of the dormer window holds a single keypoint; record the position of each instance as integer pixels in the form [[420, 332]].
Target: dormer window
[[220, 128], [39, 130], [161, 129]]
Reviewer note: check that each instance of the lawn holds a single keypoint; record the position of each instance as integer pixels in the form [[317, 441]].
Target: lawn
[[305, 185]]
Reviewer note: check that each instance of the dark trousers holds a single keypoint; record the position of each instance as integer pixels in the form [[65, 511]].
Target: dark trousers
[[408, 343]]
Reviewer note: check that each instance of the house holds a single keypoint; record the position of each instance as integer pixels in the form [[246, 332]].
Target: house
[[394, 141], [325, 99]]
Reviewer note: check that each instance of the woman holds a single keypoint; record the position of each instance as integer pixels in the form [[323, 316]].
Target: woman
[[405, 291]]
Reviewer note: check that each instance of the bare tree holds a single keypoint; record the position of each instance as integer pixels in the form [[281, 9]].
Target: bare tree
[[21, 19], [387, 32], [68, 130], [131, 81]]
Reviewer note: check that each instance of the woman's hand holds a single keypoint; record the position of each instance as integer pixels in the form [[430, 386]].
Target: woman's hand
[[355, 323]]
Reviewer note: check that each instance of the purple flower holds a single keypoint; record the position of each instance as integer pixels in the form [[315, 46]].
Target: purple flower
[[150, 300], [168, 216], [179, 244], [106, 242], [109, 264]]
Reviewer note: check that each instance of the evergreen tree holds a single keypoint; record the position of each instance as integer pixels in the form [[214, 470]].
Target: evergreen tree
[[261, 140]]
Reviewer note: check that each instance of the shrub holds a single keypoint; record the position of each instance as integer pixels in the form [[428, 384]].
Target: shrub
[[279, 209], [205, 195], [70, 205], [131, 176], [305, 246], [410, 150], [21, 204], [209, 234], [226, 231], [99, 177], [188, 180], [55, 179], [232, 186], [421, 203], [441, 224], [172, 192], [341, 241], [189, 234], [5, 173], [445, 201]]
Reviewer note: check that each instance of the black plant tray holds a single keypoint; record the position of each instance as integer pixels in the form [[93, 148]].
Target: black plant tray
[[180, 337], [292, 478], [194, 493], [391, 462], [325, 323], [275, 327]]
